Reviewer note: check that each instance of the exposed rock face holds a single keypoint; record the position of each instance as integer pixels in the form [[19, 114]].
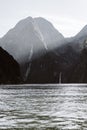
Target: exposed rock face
[[9, 69]]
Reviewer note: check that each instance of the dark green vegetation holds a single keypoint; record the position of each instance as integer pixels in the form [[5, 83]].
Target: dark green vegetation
[[9, 69], [78, 73], [47, 68]]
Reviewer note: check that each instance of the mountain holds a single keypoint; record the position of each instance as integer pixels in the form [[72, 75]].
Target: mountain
[[51, 36], [43, 53], [77, 41], [78, 72], [82, 35], [9, 69], [30, 37]]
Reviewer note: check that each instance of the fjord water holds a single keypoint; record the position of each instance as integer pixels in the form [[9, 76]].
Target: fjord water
[[57, 108]]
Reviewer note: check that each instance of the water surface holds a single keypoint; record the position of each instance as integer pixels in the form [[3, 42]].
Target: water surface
[[60, 108]]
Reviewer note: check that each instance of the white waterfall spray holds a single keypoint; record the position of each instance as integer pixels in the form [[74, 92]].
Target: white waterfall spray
[[29, 67]]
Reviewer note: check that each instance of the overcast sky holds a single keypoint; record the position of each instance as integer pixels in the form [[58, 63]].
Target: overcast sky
[[68, 16]]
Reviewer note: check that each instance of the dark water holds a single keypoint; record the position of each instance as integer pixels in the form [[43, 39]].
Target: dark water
[[62, 108]]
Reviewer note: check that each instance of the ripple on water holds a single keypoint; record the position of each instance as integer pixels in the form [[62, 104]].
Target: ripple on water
[[64, 108]]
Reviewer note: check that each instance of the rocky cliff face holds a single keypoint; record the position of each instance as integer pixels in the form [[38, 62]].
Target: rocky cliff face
[[9, 69]]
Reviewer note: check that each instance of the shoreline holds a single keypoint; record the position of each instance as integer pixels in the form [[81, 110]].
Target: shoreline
[[39, 86]]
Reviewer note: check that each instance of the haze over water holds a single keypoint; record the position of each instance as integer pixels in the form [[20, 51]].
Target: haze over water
[[62, 108]]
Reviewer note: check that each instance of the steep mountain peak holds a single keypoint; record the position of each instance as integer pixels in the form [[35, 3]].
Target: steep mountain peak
[[45, 24], [25, 21], [42, 21]]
